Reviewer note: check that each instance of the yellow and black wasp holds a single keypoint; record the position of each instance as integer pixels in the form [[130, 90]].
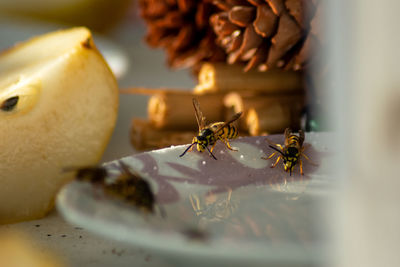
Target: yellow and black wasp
[[291, 151], [210, 134]]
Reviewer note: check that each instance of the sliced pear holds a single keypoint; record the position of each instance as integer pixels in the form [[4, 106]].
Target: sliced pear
[[58, 108]]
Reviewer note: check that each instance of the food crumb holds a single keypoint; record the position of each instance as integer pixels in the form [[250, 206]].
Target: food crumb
[[118, 253], [148, 258], [195, 234]]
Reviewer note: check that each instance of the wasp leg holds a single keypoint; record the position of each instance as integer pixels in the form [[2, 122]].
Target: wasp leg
[[210, 151], [193, 143], [228, 199], [226, 142], [270, 142], [280, 146], [229, 194], [212, 148], [306, 146], [273, 144], [301, 167], [270, 156], [307, 158], [304, 155], [276, 162], [196, 206]]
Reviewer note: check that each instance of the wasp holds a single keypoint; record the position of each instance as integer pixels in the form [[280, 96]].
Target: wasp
[[291, 151], [211, 133]]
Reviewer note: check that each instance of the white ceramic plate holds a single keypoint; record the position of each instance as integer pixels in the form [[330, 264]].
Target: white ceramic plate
[[232, 211]]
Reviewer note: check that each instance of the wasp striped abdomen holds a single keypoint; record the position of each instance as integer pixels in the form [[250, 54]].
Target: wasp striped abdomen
[[229, 131]]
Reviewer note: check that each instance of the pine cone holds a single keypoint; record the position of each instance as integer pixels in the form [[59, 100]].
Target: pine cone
[[266, 34], [182, 28]]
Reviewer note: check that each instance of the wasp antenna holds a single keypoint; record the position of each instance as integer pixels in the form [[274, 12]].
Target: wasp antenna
[[181, 155], [274, 148], [211, 154]]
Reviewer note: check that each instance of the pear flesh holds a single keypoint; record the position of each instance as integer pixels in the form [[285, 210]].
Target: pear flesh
[[58, 108]]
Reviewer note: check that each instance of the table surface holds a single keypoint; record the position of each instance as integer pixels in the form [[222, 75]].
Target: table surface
[[76, 246]]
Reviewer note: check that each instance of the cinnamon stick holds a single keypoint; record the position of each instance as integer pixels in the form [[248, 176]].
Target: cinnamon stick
[[152, 91], [222, 77], [274, 116], [245, 102], [144, 136], [172, 109], [176, 112]]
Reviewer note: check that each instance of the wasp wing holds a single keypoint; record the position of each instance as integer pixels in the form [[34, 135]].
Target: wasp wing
[[234, 118], [287, 134], [201, 120], [271, 143], [301, 137]]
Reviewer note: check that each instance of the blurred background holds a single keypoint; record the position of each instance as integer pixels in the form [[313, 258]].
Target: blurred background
[[118, 33], [360, 93]]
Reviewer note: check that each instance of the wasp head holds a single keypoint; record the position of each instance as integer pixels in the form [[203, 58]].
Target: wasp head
[[289, 161], [201, 143]]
